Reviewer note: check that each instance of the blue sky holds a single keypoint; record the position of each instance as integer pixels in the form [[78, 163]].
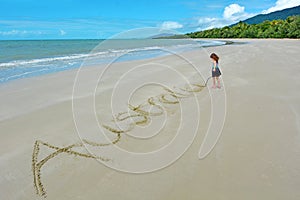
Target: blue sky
[[70, 19]]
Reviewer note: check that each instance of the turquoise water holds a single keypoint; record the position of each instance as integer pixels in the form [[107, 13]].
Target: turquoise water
[[22, 59]]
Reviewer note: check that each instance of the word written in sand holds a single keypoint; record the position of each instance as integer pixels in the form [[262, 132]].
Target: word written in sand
[[138, 115]]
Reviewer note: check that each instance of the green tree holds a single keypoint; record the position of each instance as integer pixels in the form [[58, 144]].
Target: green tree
[[289, 28]]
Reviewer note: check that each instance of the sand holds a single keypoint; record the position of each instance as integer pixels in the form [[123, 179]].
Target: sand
[[257, 155]]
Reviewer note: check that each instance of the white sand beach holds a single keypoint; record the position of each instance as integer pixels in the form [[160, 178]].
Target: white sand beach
[[256, 157]]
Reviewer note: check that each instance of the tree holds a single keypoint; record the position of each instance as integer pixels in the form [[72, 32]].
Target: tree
[[289, 28]]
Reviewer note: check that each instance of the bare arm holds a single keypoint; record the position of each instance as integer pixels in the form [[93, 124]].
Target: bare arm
[[215, 65]]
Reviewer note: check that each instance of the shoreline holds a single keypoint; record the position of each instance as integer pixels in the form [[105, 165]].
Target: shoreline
[[74, 55]]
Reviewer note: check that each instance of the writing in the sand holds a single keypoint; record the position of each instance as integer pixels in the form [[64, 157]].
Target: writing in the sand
[[137, 115]]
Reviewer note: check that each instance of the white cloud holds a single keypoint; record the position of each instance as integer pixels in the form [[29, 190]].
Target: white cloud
[[233, 10], [209, 23], [282, 4], [62, 32], [232, 14], [170, 25], [12, 32], [207, 20], [19, 33], [235, 13]]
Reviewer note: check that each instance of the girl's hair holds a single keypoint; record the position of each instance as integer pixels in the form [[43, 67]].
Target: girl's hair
[[215, 57]]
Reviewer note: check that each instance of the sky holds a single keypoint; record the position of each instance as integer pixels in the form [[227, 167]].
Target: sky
[[102, 19]]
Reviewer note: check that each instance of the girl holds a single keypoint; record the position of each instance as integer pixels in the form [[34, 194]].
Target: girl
[[215, 70]]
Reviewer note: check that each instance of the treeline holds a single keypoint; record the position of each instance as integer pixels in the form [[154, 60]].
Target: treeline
[[289, 28]]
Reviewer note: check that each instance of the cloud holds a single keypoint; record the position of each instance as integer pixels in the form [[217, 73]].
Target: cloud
[[12, 32], [232, 13], [209, 23], [62, 32], [282, 4], [72, 28], [233, 10], [168, 25], [20, 33]]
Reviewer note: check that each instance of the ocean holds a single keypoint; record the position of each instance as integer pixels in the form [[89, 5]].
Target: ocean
[[27, 58]]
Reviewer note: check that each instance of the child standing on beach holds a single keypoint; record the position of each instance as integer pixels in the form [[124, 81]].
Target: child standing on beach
[[216, 73]]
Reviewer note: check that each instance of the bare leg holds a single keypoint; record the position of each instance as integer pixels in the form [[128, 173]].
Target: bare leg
[[214, 82], [219, 83]]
